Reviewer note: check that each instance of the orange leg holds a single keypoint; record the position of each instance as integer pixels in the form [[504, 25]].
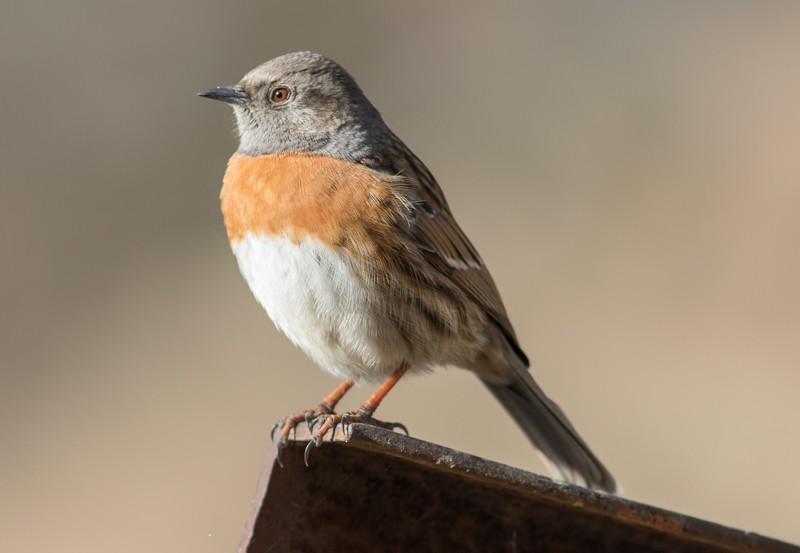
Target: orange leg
[[326, 407], [363, 414], [335, 396], [375, 399]]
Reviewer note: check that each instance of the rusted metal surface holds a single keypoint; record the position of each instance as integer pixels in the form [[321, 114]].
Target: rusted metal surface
[[384, 491]]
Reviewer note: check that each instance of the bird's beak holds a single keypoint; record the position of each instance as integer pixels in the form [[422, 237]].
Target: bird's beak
[[229, 94]]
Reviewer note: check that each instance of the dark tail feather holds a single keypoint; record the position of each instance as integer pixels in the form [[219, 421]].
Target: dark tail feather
[[551, 432]]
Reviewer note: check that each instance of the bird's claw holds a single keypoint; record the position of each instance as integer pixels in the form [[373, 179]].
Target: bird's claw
[[322, 422], [400, 425], [275, 426]]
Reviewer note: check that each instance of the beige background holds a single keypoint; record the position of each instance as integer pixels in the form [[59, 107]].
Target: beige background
[[629, 170]]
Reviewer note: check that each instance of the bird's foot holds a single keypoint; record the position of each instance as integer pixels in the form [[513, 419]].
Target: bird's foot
[[288, 425], [329, 423]]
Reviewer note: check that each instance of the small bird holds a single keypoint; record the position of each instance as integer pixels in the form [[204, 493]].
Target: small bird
[[347, 241]]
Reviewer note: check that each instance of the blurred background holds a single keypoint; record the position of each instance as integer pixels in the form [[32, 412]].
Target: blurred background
[[629, 171]]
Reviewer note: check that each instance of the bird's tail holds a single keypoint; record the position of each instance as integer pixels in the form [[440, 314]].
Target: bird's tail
[[548, 428]]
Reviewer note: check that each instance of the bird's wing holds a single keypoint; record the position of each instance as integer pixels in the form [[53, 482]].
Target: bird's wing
[[446, 247]]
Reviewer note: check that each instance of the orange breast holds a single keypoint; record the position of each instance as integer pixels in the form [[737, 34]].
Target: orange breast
[[301, 195]]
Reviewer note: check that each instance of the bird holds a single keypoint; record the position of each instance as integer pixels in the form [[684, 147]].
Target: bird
[[347, 241]]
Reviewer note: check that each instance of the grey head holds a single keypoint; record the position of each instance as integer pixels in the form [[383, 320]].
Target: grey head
[[303, 102]]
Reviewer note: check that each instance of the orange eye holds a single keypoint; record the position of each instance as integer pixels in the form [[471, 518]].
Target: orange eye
[[279, 94]]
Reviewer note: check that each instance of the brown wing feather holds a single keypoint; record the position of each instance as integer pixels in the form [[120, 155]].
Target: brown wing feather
[[445, 245]]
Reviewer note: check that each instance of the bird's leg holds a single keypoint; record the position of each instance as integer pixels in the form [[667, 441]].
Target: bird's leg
[[363, 414], [310, 416]]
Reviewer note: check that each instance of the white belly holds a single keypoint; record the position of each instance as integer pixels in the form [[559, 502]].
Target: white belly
[[312, 295]]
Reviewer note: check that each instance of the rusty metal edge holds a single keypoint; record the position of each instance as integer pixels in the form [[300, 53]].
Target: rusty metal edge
[[258, 499], [571, 497]]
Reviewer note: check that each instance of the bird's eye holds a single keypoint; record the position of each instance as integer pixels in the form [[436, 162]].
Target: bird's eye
[[279, 94]]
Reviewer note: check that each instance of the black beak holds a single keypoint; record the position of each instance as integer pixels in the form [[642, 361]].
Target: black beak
[[229, 94]]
